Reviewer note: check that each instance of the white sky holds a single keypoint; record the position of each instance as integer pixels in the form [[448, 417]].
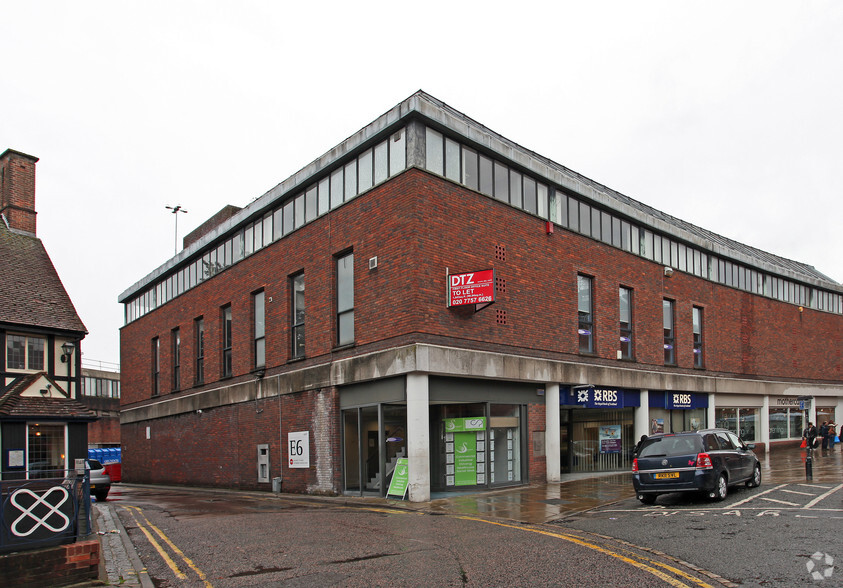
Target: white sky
[[724, 114]]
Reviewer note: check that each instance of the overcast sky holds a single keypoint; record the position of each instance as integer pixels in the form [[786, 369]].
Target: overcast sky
[[724, 114]]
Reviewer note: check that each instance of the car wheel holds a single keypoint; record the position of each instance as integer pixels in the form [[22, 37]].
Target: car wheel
[[647, 498], [755, 481], [100, 496], [721, 490]]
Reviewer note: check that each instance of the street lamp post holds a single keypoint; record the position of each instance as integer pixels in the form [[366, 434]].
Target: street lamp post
[[176, 209]]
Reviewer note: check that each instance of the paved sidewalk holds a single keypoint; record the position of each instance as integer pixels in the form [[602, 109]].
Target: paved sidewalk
[[120, 564]]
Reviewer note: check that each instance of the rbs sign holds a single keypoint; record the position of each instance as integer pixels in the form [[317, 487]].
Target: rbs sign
[[471, 288]]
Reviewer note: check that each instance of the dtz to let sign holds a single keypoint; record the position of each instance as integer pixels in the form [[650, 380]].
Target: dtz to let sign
[[471, 288]]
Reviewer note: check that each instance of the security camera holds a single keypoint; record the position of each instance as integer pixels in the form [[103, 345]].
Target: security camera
[[199, 411], [668, 271]]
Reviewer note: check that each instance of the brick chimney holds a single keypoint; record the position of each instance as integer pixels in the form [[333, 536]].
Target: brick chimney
[[17, 190]]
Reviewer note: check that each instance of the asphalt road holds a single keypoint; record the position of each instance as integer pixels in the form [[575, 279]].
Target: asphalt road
[[207, 538], [780, 534]]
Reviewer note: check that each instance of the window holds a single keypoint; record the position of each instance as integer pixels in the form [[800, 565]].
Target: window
[[297, 316], [669, 333], [260, 329], [24, 353], [176, 359], [156, 367], [585, 304], [345, 299], [199, 332], [626, 322], [226, 342], [698, 336]]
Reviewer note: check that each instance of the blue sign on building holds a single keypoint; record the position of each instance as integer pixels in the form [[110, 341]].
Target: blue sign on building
[[601, 397]]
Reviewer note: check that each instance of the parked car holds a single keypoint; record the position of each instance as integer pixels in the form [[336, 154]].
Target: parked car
[[100, 480], [708, 460]]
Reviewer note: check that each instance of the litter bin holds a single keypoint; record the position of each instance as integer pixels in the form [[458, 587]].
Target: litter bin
[[276, 485]]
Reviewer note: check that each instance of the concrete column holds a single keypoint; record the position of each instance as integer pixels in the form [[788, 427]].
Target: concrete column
[[765, 423], [552, 445], [641, 422], [838, 414], [712, 405], [418, 436]]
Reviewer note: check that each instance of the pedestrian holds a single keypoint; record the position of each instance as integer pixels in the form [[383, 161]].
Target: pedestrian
[[810, 435], [637, 449], [832, 435], [824, 434]]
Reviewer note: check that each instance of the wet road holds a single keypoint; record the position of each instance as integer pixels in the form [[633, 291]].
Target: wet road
[[201, 538]]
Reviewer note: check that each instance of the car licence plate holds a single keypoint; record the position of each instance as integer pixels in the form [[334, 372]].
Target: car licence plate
[[666, 476]]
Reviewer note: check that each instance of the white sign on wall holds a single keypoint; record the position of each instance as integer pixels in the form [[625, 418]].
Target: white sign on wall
[[298, 447]]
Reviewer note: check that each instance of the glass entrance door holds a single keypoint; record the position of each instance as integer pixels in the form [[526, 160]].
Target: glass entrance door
[[374, 437]]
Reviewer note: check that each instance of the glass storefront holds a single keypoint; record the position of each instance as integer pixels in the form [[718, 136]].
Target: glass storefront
[[786, 423], [479, 444], [596, 440], [741, 421], [374, 437]]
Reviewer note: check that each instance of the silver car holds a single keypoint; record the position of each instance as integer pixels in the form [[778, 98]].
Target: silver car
[[100, 480]]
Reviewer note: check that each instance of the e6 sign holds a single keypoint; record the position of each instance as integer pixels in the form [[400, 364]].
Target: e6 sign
[[298, 449]]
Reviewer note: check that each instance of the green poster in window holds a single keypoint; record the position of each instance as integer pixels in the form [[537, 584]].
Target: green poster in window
[[465, 459], [469, 424], [400, 478]]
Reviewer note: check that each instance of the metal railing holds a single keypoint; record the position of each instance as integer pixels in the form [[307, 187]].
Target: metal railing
[[50, 508]]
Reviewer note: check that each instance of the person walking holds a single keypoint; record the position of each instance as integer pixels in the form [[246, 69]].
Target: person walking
[[832, 435], [810, 435], [824, 434]]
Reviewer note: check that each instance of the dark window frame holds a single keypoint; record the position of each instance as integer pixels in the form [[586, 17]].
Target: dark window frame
[[156, 366], [698, 325], [226, 338], [627, 347], [297, 316], [585, 317], [259, 329], [176, 344], [669, 331], [199, 339], [344, 309]]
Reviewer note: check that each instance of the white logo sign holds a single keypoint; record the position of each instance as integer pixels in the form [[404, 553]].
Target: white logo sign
[[298, 445], [820, 566], [43, 521]]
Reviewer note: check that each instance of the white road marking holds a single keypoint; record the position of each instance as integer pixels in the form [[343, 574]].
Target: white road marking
[[780, 501], [823, 496], [802, 493]]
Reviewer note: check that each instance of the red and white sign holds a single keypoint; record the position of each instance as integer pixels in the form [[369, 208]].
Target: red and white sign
[[471, 288]]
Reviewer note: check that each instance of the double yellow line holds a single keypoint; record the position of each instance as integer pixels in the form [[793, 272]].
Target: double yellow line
[[144, 525], [638, 564]]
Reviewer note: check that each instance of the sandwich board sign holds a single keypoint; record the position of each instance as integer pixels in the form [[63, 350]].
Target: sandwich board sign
[[400, 478]]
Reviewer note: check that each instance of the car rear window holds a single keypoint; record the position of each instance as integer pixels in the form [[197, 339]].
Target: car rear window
[[671, 445], [94, 464]]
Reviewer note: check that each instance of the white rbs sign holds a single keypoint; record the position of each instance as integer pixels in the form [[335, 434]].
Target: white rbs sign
[[298, 446]]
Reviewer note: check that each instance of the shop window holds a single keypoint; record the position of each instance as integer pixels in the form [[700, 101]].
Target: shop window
[[786, 423], [46, 451], [669, 332], [585, 315], [741, 421], [625, 304]]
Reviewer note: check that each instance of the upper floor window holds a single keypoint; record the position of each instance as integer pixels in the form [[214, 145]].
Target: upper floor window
[[226, 341], [156, 367], [585, 312], [697, 319], [260, 329], [199, 334], [625, 307], [176, 337], [669, 332], [297, 316], [345, 299], [24, 353]]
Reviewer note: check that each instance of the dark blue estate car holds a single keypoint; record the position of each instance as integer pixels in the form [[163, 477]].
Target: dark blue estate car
[[709, 460]]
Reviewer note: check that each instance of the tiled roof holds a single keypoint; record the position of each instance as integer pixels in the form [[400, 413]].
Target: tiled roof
[[12, 404], [31, 292]]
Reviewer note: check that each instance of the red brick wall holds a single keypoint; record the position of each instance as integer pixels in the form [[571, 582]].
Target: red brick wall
[[415, 228], [17, 192], [54, 566], [104, 431], [537, 429]]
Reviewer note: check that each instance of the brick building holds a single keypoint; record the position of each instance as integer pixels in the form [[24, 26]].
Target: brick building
[[343, 321], [43, 426]]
